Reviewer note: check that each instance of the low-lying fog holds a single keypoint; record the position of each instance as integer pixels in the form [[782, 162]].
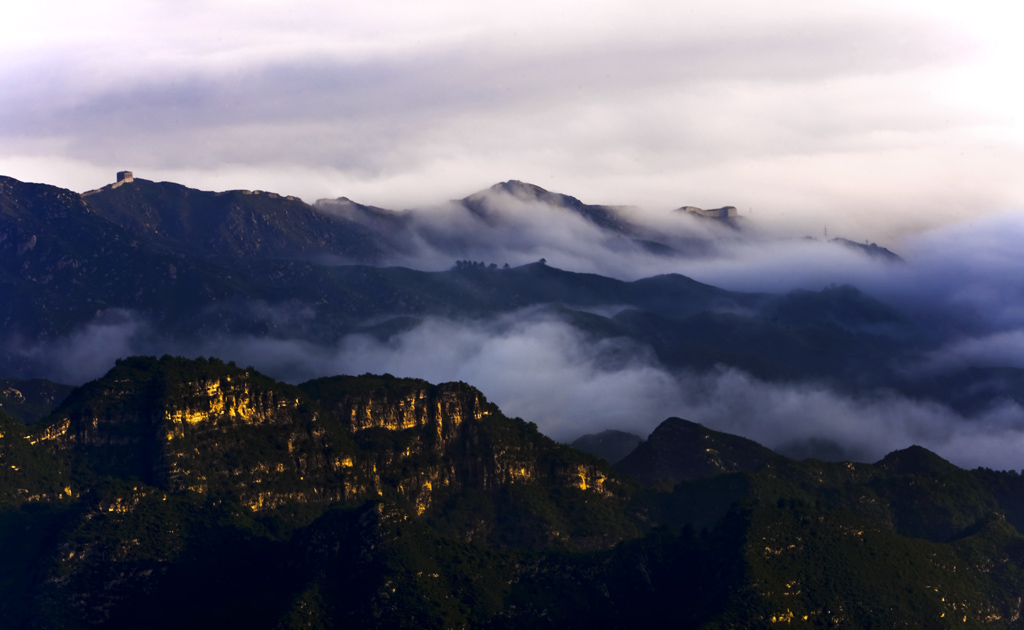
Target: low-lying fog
[[962, 281]]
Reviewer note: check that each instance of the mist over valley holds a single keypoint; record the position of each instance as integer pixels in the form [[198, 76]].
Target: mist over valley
[[578, 317], [758, 420], [451, 315]]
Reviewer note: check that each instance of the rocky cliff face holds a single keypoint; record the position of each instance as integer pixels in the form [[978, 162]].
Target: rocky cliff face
[[370, 402], [206, 427], [144, 470], [176, 493]]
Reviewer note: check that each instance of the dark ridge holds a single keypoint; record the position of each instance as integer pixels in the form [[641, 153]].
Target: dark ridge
[[233, 224], [383, 221], [817, 448], [842, 305], [609, 445], [679, 450], [915, 460], [871, 249], [31, 400]]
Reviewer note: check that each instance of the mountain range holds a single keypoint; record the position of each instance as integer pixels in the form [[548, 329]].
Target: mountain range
[[176, 492], [146, 492], [184, 266]]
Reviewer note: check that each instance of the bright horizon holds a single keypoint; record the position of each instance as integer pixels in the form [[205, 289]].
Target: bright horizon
[[876, 119]]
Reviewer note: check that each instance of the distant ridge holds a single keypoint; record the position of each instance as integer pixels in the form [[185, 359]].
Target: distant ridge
[[726, 215], [606, 217], [871, 249], [609, 445], [678, 450], [233, 224]]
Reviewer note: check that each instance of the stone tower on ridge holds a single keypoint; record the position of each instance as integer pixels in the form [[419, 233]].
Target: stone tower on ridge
[[715, 213]]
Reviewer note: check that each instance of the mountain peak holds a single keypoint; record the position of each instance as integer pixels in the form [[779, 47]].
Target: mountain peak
[[525, 192], [247, 224], [609, 218], [679, 449], [520, 189], [915, 460]]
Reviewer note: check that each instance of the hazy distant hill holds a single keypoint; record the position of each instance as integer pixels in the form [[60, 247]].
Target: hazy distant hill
[[182, 266], [483, 205], [871, 249], [610, 445], [30, 400], [234, 225], [509, 212], [489, 205]]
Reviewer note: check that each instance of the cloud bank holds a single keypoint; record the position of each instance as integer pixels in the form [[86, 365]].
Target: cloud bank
[[961, 284], [535, 366], [884, 118]]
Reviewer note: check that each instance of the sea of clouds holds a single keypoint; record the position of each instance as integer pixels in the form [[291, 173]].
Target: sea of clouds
[[961, 283]]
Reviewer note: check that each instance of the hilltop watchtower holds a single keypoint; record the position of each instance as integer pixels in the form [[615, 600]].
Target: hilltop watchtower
[[725, 212], [125, 177]]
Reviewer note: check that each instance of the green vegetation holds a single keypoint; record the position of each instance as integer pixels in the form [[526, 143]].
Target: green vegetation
[[174, 493], [30, 400], [173, 480]]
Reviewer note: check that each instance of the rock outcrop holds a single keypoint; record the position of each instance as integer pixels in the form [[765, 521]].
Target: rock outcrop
[[208, 427]]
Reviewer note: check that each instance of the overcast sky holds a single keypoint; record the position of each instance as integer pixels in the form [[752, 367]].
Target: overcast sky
[[874, 118]]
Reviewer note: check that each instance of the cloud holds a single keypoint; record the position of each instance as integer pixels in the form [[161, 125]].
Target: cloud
[[517, 232], [801, 110], [960, 280], [1002, 349], [545, 371], [864, 427], [539, 368], [536, 366], [973, 267], [530, 363], [85, 354], [521, 230], [961, 283]]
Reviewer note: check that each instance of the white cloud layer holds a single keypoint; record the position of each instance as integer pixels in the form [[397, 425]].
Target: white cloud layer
[[876, 118], [873, 119], [537, 367]]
